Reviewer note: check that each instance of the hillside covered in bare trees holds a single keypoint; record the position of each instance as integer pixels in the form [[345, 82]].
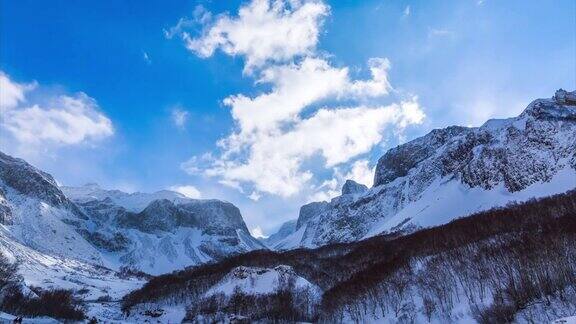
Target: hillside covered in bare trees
[[516, 263]]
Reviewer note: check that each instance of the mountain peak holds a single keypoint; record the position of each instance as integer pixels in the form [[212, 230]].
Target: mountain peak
[[561, 106], [564, 97], [353, 187]]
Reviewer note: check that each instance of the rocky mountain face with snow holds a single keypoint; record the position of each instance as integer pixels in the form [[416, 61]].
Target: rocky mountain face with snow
[[452, 172], [284, 231], [154, 233]]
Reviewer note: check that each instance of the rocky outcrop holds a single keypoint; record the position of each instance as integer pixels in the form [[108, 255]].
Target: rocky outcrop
[[398, 161], [352, 187], [309, 211], [31, 182]]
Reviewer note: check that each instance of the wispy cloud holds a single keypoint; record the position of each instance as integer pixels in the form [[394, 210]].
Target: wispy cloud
[[187, 190], [407, 11], [146, 58], [440, 32], [179, 117]]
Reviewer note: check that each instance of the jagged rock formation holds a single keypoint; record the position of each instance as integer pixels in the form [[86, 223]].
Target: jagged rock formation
[[352, 187], [453, 172]]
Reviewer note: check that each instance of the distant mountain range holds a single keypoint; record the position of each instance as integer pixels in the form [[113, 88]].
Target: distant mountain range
[[155, 233]]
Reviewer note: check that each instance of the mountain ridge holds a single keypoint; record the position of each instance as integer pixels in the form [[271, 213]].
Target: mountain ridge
[[504, 160], [154, 233]]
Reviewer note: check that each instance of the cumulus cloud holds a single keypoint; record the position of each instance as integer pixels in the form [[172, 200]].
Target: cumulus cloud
[[263, 31], [361, 172], [312, 109], [188, 191], [56, 120], [296, 86], [274, 159], [179, 117], [12, 93]]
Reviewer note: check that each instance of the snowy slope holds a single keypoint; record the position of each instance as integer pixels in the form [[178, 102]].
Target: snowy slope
[[254, 281], [450, 173]]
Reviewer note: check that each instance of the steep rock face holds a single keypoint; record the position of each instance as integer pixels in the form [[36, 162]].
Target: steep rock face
[[309, 211], [215, 216], [398, 161], [454, 172], [5, 210], [155, 233], [31, 182], [27, 180], [352, 187], [160, 216], [284, 231]]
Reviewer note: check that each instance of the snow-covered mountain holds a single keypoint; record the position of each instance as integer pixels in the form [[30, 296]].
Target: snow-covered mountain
[[254, 281], [134, 202], [154, 233], [452, 172], [284, 231]]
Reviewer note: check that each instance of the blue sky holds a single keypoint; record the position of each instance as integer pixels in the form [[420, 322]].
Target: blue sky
[[120, 93]]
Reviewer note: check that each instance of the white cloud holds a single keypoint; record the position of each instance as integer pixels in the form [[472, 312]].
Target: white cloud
[[257, 232], [12, 93], [200, 16], [407, 11], [255, 196], [361, 172], [180, 117], [60, 120], [146, 58], [295, 86], [188, 191], [312, 108], [327, 190], [263, 31], [274, 159]]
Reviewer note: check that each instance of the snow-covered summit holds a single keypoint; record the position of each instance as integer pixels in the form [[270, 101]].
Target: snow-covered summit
[[134, 202], [262, 281], [453, 172]]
